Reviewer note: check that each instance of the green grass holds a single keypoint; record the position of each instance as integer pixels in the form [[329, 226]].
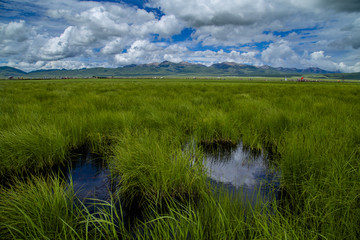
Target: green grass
[[39, 209], [144, 127], [29, 147], [47, 208], [153, 169]]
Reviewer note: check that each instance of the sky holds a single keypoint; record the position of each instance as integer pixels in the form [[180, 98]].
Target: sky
[[73, 34]]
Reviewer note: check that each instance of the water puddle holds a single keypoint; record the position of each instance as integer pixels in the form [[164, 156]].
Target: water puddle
[[90, 176], [93, 184], [230, 167], [237, 168]]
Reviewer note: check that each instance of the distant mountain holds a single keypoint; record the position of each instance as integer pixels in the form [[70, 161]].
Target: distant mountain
[[304, 71], [167, 68], [6, 72]]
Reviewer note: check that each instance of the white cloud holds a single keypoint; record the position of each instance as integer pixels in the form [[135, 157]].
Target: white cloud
[[109, 27], [234, 22], [172, 58], [64, 65], [322, 33], [230, 35], [320, 60], [319, 55], [165, 27], [59, 64], [103, 22], [15, 31], [114, 46], [218, 13], [280, 54], [345, 68], [68, 44], [209, 57], [13, 38], [143, 51]]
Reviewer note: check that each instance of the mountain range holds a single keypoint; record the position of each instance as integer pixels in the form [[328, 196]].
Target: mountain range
[[167, 68]]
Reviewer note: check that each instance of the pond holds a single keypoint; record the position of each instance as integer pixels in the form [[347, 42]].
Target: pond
[[232, 167], [90, 176], [92, 183], [237, 168]]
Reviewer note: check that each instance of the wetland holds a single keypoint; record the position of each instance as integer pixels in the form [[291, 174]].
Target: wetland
[[252, 141]]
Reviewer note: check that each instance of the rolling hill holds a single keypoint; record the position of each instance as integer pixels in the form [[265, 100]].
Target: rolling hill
[[181, 69]]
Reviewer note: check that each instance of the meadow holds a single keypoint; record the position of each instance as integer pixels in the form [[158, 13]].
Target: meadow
[[141, 127]]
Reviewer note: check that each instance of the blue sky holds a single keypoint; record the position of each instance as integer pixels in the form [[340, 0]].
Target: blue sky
[[48, 34]]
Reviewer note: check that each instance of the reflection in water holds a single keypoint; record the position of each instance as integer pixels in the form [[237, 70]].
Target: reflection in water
[[93, 184], [237, 168], [90, 176], [232, 167]]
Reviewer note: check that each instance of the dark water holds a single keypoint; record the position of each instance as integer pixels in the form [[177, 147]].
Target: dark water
[[234, 168], [239, 169], [90, 176], [92, 183]]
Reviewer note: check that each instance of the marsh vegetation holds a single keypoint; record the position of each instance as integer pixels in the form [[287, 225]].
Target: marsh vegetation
[[310, 131]]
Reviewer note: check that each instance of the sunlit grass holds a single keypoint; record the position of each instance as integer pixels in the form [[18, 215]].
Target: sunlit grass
[[39, 209], [143, 127], [153, 168]]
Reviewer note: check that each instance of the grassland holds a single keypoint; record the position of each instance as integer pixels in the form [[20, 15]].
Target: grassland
[[141, 128]]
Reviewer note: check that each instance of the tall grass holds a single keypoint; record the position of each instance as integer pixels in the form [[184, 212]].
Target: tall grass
[[28, 147], [39, 209], [143, 127], [153, 169]]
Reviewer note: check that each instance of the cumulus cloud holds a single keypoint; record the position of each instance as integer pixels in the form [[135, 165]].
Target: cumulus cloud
[[280, 54], [59, 64], [109, 27], [102, 21], [164, 27], [345, 68], [320, 60], [233, 22], [143, 51], [287, 33], [209, 57], [15, 31], [13, 38], [214, 12], [119, 20], [230, 35], [114, 46], [63, 64], [68, 44]]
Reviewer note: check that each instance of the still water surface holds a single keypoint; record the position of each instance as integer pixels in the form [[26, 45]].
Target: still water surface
[[90, 176], [234, 168], [239, 169]]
